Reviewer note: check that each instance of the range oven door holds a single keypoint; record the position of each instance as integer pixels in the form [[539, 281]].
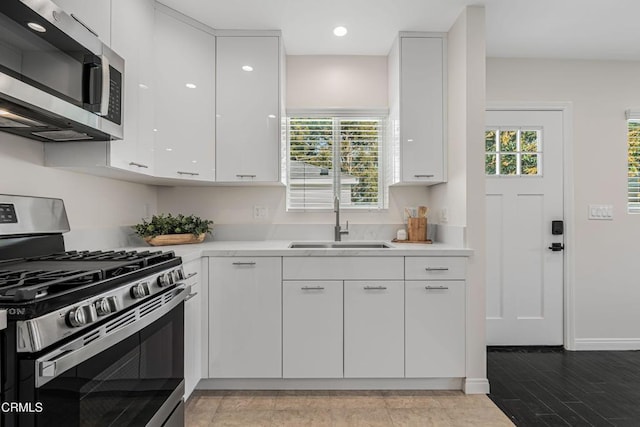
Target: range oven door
[[130, 377]]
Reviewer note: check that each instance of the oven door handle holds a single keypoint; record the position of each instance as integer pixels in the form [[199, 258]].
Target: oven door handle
[[77, 351]]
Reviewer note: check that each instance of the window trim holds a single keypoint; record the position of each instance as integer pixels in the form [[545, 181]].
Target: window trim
[[381, 113]]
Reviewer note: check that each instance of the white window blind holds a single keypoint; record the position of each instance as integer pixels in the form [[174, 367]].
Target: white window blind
[[633, 161], [334, 156]]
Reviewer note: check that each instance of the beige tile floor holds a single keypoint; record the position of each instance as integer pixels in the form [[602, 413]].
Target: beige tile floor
[[342, 408]]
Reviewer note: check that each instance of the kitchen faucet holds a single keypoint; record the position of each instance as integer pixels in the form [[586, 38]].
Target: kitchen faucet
[[338, 231]]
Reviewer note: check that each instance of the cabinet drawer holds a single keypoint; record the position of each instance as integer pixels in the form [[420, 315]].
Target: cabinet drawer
[[435, 268], [343, 268]]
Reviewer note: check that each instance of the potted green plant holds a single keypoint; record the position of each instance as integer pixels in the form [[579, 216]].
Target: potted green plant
[[166, 229]]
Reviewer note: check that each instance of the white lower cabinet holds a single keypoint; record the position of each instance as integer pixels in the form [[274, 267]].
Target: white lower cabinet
[[245, 317], [312, 329], [373, 329], [193, 313], [435, 329]]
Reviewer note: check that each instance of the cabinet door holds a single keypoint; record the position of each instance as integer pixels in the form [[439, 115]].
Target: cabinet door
[[373, 329], [94, 14], [247, 115], [134, 20], [434, 329], [312, 329], [421, 109], [193, 312], [185, 100], [245, 312]]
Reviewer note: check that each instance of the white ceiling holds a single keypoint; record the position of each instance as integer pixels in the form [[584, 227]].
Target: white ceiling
[[584, 29]]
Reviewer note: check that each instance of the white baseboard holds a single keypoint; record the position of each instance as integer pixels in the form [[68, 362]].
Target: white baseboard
[[476, 386], [585, 344], [333, 384]]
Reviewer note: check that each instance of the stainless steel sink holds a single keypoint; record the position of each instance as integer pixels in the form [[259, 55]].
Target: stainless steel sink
[[339, 245]]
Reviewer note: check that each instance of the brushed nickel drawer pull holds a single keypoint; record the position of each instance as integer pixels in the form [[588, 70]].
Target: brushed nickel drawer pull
[[375, 288], [423, 176], [436, 288], [190, 275], [140, 165], [437, 268], [243, 263], [188, 173], [245, 176], [312, 288]]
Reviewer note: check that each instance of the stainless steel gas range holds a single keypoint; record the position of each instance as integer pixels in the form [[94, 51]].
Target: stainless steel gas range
[[93, 338]]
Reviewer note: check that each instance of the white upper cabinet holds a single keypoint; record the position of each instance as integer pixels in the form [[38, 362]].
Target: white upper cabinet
[[185, 100], [94, 14], [248, 108], [134, 20], [417, 102]]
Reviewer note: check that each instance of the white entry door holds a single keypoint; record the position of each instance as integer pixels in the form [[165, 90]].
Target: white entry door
[[524, 182]]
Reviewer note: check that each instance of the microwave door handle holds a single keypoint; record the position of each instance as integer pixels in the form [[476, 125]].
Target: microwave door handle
[[106, 87]]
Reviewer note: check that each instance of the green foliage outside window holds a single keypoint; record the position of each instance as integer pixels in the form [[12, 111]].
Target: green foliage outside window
[[512, 152], [312, 142], [633, 170]]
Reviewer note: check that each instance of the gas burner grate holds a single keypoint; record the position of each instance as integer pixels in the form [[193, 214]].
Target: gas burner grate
[[25, 285]]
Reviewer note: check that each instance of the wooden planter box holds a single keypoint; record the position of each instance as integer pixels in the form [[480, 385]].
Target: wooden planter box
[[174, 239]]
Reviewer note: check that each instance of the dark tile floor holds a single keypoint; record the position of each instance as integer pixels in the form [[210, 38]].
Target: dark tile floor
[[553, 387]]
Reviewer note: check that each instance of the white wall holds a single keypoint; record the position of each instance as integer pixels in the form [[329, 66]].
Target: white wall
[[336, 81], [463, 194], [607, 288], [97, 207]]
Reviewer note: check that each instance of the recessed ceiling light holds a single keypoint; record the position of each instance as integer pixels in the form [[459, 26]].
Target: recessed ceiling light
[[340, 31], [190, 85], [247, 68], [272, 116], [36, 27], [194, 161], [169, 149], [143, 86]]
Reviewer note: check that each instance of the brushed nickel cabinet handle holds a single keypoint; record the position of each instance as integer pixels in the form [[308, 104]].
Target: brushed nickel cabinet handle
[[437, 268], [245, 176], [436, 288], [140, 165], [375, 288], [188, 173], [243, 263], [312, 288], [423, 176]]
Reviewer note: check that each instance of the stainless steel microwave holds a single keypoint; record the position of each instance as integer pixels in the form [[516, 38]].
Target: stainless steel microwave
[[58, 81]]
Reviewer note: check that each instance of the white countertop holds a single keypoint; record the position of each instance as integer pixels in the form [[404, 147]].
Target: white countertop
[[281, 248]]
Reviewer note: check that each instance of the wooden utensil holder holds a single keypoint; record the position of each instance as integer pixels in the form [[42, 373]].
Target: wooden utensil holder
[[417, 229]]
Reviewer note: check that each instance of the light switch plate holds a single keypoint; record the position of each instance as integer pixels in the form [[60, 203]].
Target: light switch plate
[[600, 212]]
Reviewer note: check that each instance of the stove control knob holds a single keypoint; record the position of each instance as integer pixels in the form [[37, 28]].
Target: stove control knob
[[179, 274], [106, 306], [76, 318], [162, 280], [170, 278], [140, 290]]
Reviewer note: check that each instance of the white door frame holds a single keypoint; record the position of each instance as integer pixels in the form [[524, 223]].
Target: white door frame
[[568, 203]]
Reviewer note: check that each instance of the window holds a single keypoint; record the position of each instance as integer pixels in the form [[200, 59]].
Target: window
[[633, 161], [514, 152], [329, 156]]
